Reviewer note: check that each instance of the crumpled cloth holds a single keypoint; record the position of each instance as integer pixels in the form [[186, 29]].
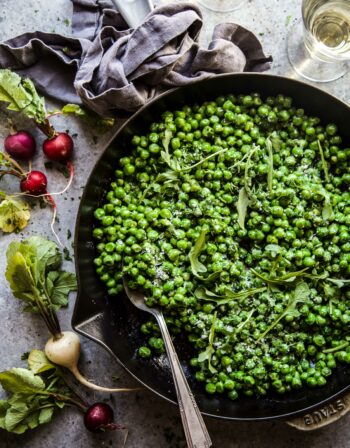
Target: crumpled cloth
[[111, 68]]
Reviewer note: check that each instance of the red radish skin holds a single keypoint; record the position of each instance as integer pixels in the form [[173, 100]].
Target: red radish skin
[[99, 417], [20, 145], [59, 148], [35, 183]]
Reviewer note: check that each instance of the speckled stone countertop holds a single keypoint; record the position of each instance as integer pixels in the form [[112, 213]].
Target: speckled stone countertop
[[152, 422]]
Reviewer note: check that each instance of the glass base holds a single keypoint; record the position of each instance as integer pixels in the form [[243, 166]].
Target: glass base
[[305, 65], [221, 5]]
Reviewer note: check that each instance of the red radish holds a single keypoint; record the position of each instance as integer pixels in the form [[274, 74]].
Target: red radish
[[99, 417], [20, 145], [59, 148], [35, 183]]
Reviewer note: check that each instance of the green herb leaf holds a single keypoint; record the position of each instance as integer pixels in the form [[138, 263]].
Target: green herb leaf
[[18, 380], [202, 293], [38, 362], [244, 323], [14, 215], [242, 206], [209, 351], [324, 163], [288, 278], [274, 249], [299, 295], [196, 265], [165, 155], [21, 96], [327, 210], [340, 282], [270, 164], [167, 176]]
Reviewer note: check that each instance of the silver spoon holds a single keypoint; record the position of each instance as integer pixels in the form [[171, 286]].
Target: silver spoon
[[196, 433], [134, 11]]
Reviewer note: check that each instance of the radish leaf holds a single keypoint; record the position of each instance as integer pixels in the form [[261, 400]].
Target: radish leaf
[[14, 215], [21, 96]]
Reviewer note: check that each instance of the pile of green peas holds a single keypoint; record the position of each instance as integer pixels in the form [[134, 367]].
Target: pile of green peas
[[182, 180]]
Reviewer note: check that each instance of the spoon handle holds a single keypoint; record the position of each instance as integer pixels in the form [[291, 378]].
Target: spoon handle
[[196, 433]]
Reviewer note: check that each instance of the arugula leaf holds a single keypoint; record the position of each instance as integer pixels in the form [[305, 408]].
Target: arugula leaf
[[288, 278], [247, 179], [270, 164], [244, 323], [38, 362], [165, 155], [299, 295], [167, 176], [340, 282], [196, 266], [209, 351], [14, 215], [337, 348], [18, 380], [274, 249], [33, 272], [220, 151], [324, 163], [21, 96], [327, 210], [276, 141], [202, 293], [242, 206]]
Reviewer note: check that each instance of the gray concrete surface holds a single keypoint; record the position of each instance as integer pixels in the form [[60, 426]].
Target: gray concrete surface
[[152, 422]]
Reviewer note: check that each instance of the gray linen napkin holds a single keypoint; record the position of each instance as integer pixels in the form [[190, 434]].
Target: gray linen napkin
[[111, 68]]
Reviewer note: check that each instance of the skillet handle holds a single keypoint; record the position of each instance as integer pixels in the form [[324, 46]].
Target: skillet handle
[[329, 413]]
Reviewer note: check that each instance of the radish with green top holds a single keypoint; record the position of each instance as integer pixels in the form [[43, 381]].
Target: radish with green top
[[45, 289]]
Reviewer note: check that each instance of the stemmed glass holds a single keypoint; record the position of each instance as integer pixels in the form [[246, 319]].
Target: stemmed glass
[[221, 5], [319, 45]]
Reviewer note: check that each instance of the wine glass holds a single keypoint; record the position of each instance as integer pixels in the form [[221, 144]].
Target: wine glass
[[221, 5], [319, 45]]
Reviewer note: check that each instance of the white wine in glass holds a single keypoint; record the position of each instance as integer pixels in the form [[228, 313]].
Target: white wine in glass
[[319, 46], [221, 5]]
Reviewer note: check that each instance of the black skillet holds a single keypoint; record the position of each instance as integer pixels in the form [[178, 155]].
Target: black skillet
[[114, 322]]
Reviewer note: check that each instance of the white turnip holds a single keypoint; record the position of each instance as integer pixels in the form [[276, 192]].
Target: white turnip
[[64, 350]]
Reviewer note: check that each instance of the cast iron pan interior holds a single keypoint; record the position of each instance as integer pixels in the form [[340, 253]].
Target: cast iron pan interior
[[114, 323]]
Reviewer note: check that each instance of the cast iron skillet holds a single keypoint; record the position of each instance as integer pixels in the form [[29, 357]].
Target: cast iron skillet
[[114, 322]]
